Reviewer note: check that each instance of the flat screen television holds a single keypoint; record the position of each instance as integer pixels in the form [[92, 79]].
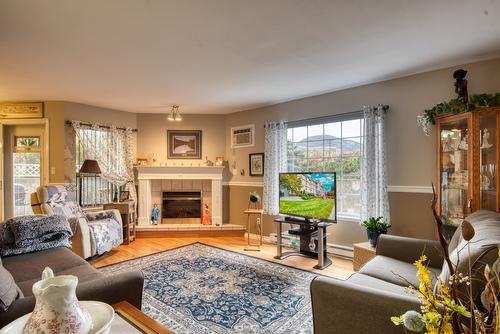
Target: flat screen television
[[309, 195]]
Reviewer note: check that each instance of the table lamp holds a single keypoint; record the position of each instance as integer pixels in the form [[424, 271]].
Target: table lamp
[[89, 167]]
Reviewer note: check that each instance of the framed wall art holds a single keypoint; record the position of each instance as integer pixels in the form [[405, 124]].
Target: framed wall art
[[184, 144], [124, 195], [256, 164], [21, 110]]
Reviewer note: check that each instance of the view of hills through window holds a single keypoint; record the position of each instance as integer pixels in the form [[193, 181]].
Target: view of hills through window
[[330, 147]]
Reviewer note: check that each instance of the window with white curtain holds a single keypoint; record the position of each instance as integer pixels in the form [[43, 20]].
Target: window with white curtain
[[95, 190], [330, 144]]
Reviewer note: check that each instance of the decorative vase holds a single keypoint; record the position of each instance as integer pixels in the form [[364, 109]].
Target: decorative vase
[[57, 309], [373, 237]]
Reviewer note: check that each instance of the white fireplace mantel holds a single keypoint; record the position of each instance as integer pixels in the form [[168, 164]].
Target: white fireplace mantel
[[147, 173], [179, 173]]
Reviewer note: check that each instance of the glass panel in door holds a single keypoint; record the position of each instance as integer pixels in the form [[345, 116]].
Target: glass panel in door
[[26, 172], [488, 155], [453, 171]]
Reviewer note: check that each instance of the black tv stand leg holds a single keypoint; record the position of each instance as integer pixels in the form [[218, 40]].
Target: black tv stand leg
[[327, 262], [323, 260]]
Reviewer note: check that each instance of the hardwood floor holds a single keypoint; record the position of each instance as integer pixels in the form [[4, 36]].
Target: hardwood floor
[[340, 268]]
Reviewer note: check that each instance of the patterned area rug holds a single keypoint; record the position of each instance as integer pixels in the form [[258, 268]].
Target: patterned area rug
[[203, 289]]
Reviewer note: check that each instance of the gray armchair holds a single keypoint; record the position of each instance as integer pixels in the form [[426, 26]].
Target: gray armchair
[[94, 233], [365, 302]]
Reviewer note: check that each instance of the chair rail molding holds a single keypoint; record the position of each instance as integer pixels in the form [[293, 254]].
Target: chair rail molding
[[392, 189], [410, 189]]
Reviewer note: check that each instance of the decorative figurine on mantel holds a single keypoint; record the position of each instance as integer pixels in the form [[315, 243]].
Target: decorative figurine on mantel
[[206, 219], [155, 214], [461, 85]]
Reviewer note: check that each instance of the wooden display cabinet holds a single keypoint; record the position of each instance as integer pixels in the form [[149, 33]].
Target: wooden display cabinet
[[467, 163]]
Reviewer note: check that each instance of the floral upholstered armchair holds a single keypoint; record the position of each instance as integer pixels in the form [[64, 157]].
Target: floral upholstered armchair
[[94, 233]]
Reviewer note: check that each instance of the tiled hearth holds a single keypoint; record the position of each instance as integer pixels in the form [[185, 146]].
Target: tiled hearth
[[191, 229]]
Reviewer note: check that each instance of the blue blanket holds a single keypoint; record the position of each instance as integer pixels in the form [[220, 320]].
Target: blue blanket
[[32, 233]]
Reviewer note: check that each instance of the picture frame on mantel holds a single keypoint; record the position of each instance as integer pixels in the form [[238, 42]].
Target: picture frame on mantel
[[256, 164], [184, 144]]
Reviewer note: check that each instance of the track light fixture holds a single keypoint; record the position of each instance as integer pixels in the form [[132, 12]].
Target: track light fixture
[[174, 114]]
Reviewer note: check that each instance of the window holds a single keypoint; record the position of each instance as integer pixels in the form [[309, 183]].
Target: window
[[330, 145], [93, 189]]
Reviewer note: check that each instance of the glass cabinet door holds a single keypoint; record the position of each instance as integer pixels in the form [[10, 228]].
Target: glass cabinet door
[[454, 170], [488, 161]]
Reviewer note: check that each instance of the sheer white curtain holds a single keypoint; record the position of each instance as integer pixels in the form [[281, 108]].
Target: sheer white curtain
[[374, 197], [115, 153], [274, 163]]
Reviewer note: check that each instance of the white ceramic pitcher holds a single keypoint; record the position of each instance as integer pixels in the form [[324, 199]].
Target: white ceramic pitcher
[[57, 309]]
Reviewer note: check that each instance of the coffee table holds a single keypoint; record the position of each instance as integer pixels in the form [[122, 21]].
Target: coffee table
[[130, 320]]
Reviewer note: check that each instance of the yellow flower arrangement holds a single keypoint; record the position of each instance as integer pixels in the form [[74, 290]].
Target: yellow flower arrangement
[[437, 309]]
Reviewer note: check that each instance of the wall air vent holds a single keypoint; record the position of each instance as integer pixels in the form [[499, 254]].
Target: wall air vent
[[243, 136]]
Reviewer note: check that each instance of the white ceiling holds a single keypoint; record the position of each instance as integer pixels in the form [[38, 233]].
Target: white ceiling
[[221, 56]]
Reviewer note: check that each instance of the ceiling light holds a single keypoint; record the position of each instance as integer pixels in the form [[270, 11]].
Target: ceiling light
[[174, 114]]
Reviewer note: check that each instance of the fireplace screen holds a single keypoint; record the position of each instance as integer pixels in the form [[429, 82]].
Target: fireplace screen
[[181, 205]]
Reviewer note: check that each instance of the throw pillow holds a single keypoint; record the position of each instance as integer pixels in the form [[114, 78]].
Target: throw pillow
[[9, 291], [483, 250]]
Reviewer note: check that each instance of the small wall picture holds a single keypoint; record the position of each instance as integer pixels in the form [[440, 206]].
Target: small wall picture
[[184, 144], [256, 161], [124, 195]]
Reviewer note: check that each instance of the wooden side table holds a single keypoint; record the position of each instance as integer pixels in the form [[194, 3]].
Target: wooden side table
[[129, 319], [363, 252], [127, 211], [259, 213]]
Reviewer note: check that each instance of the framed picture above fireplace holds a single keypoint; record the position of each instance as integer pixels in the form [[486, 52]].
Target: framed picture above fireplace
[[184, 144]]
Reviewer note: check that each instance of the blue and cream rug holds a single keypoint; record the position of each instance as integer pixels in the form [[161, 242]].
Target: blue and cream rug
[[203, 289]]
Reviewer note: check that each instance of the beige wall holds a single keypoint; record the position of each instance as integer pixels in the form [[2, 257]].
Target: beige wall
[[54, 111], [152, 136], [411, 154], [86, 113]]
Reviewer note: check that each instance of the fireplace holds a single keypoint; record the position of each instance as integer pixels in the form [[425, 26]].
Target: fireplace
[[154, 181], [180, 205]]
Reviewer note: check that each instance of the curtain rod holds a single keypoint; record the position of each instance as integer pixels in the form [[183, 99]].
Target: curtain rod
[[100, 126], [343, 115]]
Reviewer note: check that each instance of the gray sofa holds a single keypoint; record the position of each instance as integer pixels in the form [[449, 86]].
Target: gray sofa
[[26, 269], [365, 302]]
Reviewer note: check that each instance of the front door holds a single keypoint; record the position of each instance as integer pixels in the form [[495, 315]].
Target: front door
[[22, 167]]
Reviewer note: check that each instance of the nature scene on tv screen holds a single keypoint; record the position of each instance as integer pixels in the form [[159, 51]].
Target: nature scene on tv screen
[[308, 195]]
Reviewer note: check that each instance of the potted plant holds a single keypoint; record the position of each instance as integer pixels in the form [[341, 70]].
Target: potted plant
[[254, 197], [374, 228], [254, 200]]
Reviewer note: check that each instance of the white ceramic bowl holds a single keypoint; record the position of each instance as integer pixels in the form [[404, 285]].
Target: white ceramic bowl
[[102, 316]]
